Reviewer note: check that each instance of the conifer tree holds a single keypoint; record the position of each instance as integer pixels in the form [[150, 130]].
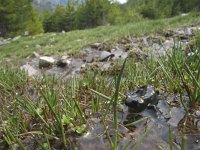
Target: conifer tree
[[16, 16], [34, 25], [54, 23], [93, 13]]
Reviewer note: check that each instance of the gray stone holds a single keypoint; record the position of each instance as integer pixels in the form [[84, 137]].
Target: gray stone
[[63, 32], [16, 38], [83, 68], [95, 45], [105, 56], [158, 50], [119, 54], [37, 46], [184, 14], [46, 62], [35, 55], [189, 32], [145, 41], [197, 113], [31, 71], [184, 33], [168, 44], [26, 33], [106, 66], [164, 108], [89, 59], [176, 115], [4, 42], [64, 61], [156, 46]]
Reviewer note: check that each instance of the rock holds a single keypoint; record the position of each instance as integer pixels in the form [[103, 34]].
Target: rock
[[145, 41], [56, 72], [95, 45], [105, 56], [158, 50], [26, 33], [29, 69], [168, 44], [140, 99], [163, 48], [190, 54], [4, 42], [16, 38], [197, 113], [63, 62], [189, 32], [63, 32], [46, 62], [176, 115], [105, 66], [37, 46], [83, 66], [89, 59], [65, 57], [179, 31], [164, 108], [35, 55], [119, 54], [169, 33], [184, 14], [185, 33], [156, 46]]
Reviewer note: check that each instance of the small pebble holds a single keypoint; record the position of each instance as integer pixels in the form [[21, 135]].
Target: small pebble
[[198, 113], [197, 141]]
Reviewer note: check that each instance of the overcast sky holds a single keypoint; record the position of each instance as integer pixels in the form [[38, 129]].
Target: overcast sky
[[122, 1]]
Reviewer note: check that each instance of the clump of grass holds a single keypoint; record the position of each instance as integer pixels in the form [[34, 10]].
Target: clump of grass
[[115, 104], [183, 74], [50, 114]]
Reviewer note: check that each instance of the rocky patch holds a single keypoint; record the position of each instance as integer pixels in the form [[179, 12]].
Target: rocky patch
[[102, 56], [46, 62]]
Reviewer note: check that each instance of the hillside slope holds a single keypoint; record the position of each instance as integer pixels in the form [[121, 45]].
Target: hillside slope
[[72, 42]]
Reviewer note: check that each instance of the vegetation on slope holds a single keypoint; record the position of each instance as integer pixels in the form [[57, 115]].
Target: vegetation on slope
[[20, 16], [72, 42]]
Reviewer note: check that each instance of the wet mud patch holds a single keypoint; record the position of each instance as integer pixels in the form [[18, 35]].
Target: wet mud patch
[[148, 129]]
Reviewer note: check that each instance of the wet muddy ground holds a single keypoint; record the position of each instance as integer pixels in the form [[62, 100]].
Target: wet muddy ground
[[153, 122]]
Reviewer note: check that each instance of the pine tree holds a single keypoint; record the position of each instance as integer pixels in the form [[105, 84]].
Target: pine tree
[[55, 21], [16, 16], [69, 21], [93, 13], [34, 25]]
